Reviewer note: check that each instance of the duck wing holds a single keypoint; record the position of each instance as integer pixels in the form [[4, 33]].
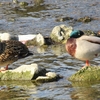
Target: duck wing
[[12, 50], [2, 47], [87, 47], [92, 39]]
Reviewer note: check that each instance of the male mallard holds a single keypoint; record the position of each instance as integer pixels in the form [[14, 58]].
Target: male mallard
[[12, 50], [83, 47]]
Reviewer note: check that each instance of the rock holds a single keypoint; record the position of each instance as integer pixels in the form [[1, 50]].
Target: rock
[[23, 4], [89, 32], [7, 36], [21, 38], [62, 19], [37, 41], [85, 19], [50, 76], [29, 72], [60, 33], [40, 40], [88, 74]]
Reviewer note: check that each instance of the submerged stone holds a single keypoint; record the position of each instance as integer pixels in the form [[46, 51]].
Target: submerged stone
[[23, 4], [85, 19], [61, 19], [88, 74]]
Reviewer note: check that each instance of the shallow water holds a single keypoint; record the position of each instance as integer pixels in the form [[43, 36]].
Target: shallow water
[[40, 16]]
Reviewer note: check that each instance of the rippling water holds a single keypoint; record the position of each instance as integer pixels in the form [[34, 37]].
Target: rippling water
[[40, 16]]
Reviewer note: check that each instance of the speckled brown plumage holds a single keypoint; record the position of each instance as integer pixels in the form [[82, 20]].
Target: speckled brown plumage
[[12, 50]]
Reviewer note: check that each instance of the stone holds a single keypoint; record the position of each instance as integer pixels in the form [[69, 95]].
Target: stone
[[50, 76], [85, 19], [29, 72], [88, 74], [37, 41], [61, 33]]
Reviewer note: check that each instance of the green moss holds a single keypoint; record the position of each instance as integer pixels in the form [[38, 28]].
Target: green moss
[[85, 19], [24, 76], [23, 4], [87, 74], [89, 32], [16, 76]]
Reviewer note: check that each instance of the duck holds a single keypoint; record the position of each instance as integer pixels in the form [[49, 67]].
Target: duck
[[12, 50], [83, 47]]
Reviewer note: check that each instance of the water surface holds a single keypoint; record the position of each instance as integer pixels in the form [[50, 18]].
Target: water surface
[[40, 16]]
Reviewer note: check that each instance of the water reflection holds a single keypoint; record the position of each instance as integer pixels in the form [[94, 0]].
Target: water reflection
[[16, 89], [58, 49], [55, 49], [54, 58]]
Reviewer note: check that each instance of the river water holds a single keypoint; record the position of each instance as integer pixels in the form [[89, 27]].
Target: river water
[[41, 16]]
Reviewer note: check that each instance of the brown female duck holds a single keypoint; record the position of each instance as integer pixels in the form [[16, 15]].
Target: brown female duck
[[11, 51]]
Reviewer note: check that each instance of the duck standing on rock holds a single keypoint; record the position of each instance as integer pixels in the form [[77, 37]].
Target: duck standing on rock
[[11, 51], [83, 47]]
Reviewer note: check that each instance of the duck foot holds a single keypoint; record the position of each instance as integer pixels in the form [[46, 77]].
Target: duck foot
[[86, 65], [4, 69]]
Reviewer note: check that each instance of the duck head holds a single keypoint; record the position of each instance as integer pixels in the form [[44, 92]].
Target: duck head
[[71, 44], [76, 34]]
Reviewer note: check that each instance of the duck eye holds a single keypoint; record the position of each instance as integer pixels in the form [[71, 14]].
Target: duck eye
[[79, 34]]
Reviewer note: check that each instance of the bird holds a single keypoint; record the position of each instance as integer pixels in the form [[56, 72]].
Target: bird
[[83, 47], [12, 50]]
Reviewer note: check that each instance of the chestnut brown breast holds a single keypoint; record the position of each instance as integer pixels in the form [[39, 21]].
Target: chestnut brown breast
[[71, 46]]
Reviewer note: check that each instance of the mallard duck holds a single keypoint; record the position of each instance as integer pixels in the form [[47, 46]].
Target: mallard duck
[[11, 51], [83, 47]]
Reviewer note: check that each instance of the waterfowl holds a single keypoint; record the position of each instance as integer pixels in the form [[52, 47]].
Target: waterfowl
[[11, 51], [83, 47]]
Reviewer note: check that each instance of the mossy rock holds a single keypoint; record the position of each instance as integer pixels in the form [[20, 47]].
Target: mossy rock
[[16, 75], [23, 4], [62, 19], [29, 72], [85, 19], [88, 74], [89, 32]]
